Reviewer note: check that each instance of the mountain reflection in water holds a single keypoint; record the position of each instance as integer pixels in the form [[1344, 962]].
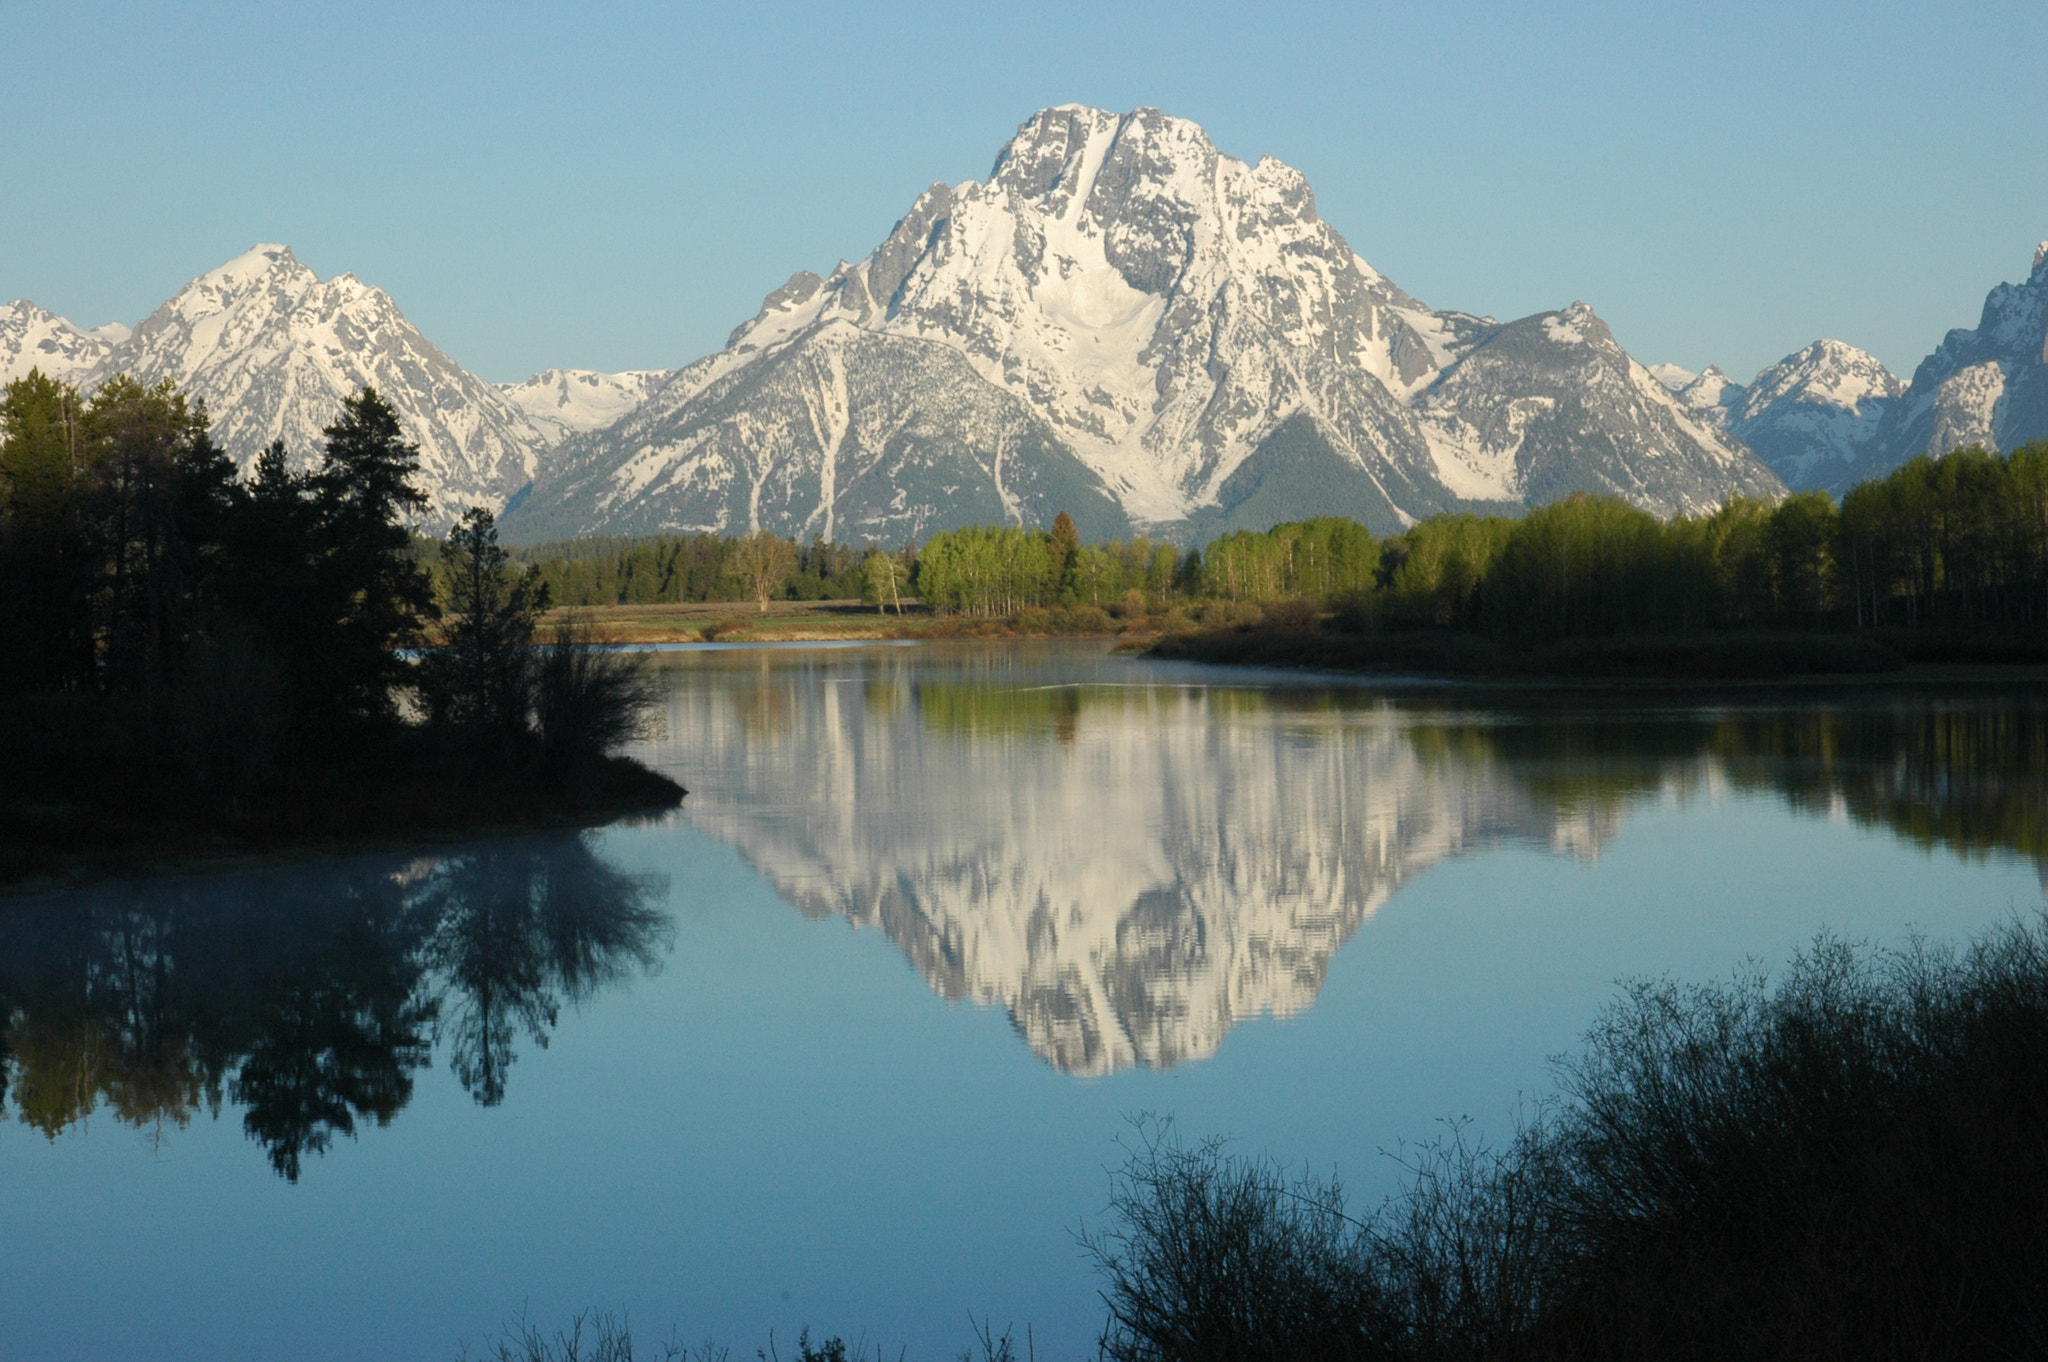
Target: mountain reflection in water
[[1131, 869], [307, 997]]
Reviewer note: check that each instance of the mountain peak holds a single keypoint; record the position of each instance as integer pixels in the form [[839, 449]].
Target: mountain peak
[[1125, 322], [259, 260], [2040, 257]]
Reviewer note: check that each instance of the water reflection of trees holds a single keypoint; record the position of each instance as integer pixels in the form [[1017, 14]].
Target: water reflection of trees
[[1132, 860], [308, 998], [1969, 775]]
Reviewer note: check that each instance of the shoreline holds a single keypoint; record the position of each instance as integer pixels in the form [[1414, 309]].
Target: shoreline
[[51, 849], [1745, 660]]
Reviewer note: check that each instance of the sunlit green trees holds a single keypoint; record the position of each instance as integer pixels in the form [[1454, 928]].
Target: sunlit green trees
[[883, 579], [1319, 560], [1431, 574], [759, 563]]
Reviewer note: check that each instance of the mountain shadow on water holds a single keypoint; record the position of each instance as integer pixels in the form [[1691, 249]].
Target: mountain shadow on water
[[309, 998]]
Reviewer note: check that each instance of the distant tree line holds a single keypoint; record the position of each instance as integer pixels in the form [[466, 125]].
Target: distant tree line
[[1955, 541], [1960, 540], [672, 569]]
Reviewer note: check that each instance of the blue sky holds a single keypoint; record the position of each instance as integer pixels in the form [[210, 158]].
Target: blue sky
[[617, 186]]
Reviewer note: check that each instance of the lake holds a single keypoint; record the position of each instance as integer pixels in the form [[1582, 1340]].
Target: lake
[[849, 1039]]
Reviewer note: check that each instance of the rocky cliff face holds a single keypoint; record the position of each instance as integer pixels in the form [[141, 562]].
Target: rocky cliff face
[[1985, 386], [1190, 346]]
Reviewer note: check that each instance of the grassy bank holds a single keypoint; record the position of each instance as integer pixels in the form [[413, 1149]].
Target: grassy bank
[[847, 621]]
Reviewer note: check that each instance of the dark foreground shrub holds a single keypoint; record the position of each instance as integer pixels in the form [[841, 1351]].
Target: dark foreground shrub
[[589, 700], [1849, 1162]]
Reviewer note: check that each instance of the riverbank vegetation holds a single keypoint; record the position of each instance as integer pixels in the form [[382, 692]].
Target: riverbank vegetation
[[191, 660], [1944, 560], [1847, 1160]]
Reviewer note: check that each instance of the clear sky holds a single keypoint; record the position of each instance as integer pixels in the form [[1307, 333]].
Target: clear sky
[[616, 186]]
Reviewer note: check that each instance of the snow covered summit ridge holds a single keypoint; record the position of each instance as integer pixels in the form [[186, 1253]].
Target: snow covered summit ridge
[[1150, 331]]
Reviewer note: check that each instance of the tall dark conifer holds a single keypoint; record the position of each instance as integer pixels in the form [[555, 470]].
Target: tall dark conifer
[[378, 596]]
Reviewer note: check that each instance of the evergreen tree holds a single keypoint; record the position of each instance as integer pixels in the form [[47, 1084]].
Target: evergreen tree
[[478, 677], [376, 597], [45, 569]]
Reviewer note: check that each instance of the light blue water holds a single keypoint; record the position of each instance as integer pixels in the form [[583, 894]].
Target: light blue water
[[848, 1040]]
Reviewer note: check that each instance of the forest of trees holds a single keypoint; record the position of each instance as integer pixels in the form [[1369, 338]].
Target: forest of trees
[[670, 569], [1955, 541], [175, 636]]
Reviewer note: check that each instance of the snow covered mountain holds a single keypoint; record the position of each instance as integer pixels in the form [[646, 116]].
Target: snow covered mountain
[[1125, 323], [273, 349], [1551, 404], [34, 338], [565, 402], [1986, 386], [1811, 415]]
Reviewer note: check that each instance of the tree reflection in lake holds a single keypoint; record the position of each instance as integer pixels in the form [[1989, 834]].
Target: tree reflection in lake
[[308, 998], [518, 930], [1132, 858]]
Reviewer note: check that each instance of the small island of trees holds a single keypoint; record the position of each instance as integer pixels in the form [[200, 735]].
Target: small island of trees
[[193, 660]]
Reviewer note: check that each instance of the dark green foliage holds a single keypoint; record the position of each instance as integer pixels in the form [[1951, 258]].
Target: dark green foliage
[[369, 597], [1959, 540], [186, 651], [477, 677], [608, 570], [587, 700], [1851, 1162]]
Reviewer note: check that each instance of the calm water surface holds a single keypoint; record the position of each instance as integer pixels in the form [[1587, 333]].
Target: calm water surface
[[848, 1039]]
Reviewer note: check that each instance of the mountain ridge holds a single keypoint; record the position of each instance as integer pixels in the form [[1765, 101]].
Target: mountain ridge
[[1186, 328], [1119, 321]]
